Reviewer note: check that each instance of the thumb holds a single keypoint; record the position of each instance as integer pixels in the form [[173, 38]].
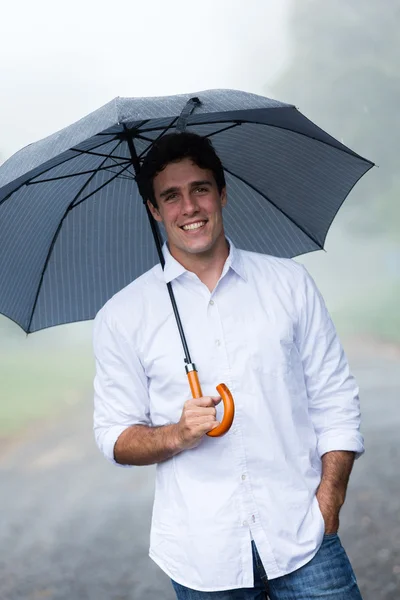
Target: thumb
[[216, 399]]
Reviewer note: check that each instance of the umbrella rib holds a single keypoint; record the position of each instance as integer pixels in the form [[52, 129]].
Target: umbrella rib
[[221, 130], [109, 169], [164, 129], [99, 154], [158, 137], [100, 187], [142, 137], [53, 241], [127, 177], [114, 158], [96, 170], [46, 171], [253, 187], [74, 175]]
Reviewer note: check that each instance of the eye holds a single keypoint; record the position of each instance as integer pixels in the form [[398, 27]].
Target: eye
[[170, 197], [202, 190]]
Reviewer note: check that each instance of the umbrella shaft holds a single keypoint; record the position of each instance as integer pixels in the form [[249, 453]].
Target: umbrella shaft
[[157, 238]]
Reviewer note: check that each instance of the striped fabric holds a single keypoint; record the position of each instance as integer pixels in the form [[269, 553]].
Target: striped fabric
[[73, 230]]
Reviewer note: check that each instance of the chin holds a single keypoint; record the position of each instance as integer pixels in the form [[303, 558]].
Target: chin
[[197, 250], [200, 247]]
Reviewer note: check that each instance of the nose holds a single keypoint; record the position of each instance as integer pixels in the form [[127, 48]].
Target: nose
[[189, 204]]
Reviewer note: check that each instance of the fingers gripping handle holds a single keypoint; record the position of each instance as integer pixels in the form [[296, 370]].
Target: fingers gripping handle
[[227, 399]]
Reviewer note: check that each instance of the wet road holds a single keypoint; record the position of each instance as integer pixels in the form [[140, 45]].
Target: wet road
[[74, 527]]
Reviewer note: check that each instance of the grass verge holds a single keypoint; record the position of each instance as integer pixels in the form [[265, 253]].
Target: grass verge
[[39, 382]]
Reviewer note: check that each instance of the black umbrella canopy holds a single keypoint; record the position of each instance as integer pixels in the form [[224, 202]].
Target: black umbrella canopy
[[73, 228]]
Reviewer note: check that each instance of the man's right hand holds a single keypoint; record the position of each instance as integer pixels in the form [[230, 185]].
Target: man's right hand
[[198, 418]]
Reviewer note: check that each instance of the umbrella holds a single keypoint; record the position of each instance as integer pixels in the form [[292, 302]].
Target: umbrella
[[73, 230]]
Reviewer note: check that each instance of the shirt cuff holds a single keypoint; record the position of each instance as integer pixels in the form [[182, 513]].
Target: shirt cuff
[[107, 443], [329, 443]]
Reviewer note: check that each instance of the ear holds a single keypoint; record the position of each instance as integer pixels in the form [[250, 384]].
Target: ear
[[154, 211], [224, 197]]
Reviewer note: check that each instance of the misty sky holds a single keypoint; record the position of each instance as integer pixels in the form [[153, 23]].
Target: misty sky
[[60, 62]]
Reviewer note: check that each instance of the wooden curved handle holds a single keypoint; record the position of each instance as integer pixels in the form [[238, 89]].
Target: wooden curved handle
[[227, 399], [229, 411]]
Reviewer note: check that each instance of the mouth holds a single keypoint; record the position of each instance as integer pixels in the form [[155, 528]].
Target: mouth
[[194, 226]]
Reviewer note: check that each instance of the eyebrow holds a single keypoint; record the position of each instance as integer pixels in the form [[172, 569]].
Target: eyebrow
[[171, 190]]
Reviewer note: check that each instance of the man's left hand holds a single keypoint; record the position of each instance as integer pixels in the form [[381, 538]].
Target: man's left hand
[[330, 506], [331, 494]]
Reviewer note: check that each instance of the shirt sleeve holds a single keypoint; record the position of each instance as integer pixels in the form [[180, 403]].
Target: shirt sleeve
[[120, 385], [334, 404]]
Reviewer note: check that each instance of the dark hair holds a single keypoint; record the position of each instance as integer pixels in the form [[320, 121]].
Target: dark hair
[[172, 148]]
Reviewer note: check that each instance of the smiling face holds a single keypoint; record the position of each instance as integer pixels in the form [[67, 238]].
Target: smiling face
[[190, 206]]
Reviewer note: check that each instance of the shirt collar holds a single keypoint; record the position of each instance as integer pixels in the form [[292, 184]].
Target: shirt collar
[[173, 269]]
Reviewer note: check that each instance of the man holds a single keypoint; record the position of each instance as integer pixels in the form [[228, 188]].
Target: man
[[257, 509]]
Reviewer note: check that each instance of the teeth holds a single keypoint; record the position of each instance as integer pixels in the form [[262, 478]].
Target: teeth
[[193, 226]]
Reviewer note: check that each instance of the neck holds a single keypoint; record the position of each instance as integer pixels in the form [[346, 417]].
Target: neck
[[207, 265]]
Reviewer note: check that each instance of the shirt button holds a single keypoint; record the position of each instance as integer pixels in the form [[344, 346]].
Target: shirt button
[[217, 342], [243, 477], [212, 302], [244, 523], [253, 518]]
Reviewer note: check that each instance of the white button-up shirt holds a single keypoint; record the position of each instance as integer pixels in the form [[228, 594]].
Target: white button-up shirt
[[266, 333]]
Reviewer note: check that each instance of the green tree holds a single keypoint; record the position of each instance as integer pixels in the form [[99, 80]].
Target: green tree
[[344, 74]]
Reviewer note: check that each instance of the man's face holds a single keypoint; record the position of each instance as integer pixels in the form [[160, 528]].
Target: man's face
[[190, 206]]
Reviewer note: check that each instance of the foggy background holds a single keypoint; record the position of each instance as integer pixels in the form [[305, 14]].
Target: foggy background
[[337, 61]]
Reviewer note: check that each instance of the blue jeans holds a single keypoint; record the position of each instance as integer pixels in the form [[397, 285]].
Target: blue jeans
[[328, 575]]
